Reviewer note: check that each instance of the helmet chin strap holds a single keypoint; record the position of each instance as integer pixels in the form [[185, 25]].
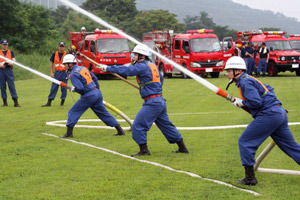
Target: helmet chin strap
[[233, 79]]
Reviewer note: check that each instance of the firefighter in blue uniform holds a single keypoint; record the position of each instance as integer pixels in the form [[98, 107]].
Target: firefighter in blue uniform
[[60, 74], [86, 83], [154, 108], [270, 119], [7, 74]]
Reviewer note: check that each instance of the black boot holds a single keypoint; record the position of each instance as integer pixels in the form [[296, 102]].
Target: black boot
[[182, 147], [120, 131], [143, 151], [47, 104], [4, 103], [250, 176], [69, 132], [16, 104], [62, 102]]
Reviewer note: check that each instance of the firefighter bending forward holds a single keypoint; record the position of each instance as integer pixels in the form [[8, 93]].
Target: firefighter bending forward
[[86, 83], [154, 108], [270, 119]]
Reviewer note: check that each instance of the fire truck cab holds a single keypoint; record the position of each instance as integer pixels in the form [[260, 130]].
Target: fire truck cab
[[295, 41], [199, 51], [103, 46], [282, 56]]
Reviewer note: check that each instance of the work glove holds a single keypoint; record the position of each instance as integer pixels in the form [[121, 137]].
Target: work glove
[[102, 67], [238, 102], [71, 88]]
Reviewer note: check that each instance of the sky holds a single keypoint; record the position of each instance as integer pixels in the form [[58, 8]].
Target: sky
[[290, 8]]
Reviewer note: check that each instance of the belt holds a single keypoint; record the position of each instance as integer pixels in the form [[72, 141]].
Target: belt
[[60, 70], [152, 96]]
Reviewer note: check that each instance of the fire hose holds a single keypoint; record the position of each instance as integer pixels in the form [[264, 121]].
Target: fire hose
[[116, 75]]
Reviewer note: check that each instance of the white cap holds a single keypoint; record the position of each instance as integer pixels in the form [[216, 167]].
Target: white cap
[[83, 28], [69, 58], [141, 49], [235, 62]]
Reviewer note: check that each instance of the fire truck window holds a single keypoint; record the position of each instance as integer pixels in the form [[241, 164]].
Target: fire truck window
[[186, 46], [113, 45], [93, 47], [206, 45], [86, 45], [177, 44]]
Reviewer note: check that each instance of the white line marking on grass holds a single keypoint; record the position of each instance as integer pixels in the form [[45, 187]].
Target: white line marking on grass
[[156, 164], [58, 123]]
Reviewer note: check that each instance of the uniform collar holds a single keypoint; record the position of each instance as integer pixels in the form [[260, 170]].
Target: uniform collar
[[244, 74]]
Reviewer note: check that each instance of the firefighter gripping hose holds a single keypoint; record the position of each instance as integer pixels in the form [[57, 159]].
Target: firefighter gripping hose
[[38, 73]]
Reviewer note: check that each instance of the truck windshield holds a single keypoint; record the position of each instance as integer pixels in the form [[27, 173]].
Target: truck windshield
[[205, 45], [279, 45], [295, 44], [112, 45]]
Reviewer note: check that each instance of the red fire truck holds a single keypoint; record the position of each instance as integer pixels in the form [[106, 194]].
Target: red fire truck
[[148, 40], [282, 56], [295, 41], [103, 46], [199, 51]]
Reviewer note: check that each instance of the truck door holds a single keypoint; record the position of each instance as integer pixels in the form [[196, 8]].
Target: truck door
[[176, 53], [228, 48]]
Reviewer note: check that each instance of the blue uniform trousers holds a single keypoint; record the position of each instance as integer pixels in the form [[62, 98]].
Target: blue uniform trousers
[[92, 99], [271, 122], [262, 66], [154, 110], [7, 75], [61, 76], [251, 67]]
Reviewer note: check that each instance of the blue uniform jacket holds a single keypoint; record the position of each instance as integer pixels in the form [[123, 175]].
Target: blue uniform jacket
[[254, 95], [80, 76], [144, 74]]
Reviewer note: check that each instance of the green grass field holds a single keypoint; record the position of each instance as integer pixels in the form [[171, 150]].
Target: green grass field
[[35, 166]]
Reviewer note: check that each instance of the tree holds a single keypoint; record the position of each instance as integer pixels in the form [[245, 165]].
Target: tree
[[199, 22], [204, 22], [121, 10], [8, 18], [147, 21], [59, 14]]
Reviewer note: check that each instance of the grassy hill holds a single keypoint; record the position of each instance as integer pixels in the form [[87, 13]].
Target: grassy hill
[[225, 12]]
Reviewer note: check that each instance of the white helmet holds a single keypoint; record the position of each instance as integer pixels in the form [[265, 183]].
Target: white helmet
[[69, 58], [141, 49], [235, 62], [83, 28]]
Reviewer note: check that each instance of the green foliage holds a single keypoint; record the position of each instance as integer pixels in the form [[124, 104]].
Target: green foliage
[[59, 15], [269, 29], [121, 10], [147, 21], [198, 22], [203, 21]]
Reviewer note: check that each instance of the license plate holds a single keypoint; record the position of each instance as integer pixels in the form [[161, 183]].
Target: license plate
[[295, 65], [208, 70]]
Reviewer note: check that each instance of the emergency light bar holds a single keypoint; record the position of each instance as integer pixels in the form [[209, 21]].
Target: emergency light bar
[[274, 32], [200, 31], [294, 35], [103, 31]]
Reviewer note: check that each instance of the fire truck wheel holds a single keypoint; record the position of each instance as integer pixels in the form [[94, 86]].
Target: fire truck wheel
[[298, 72], [272, 69], [169, 75], [183, 74], [214, 74], [162, 69]]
